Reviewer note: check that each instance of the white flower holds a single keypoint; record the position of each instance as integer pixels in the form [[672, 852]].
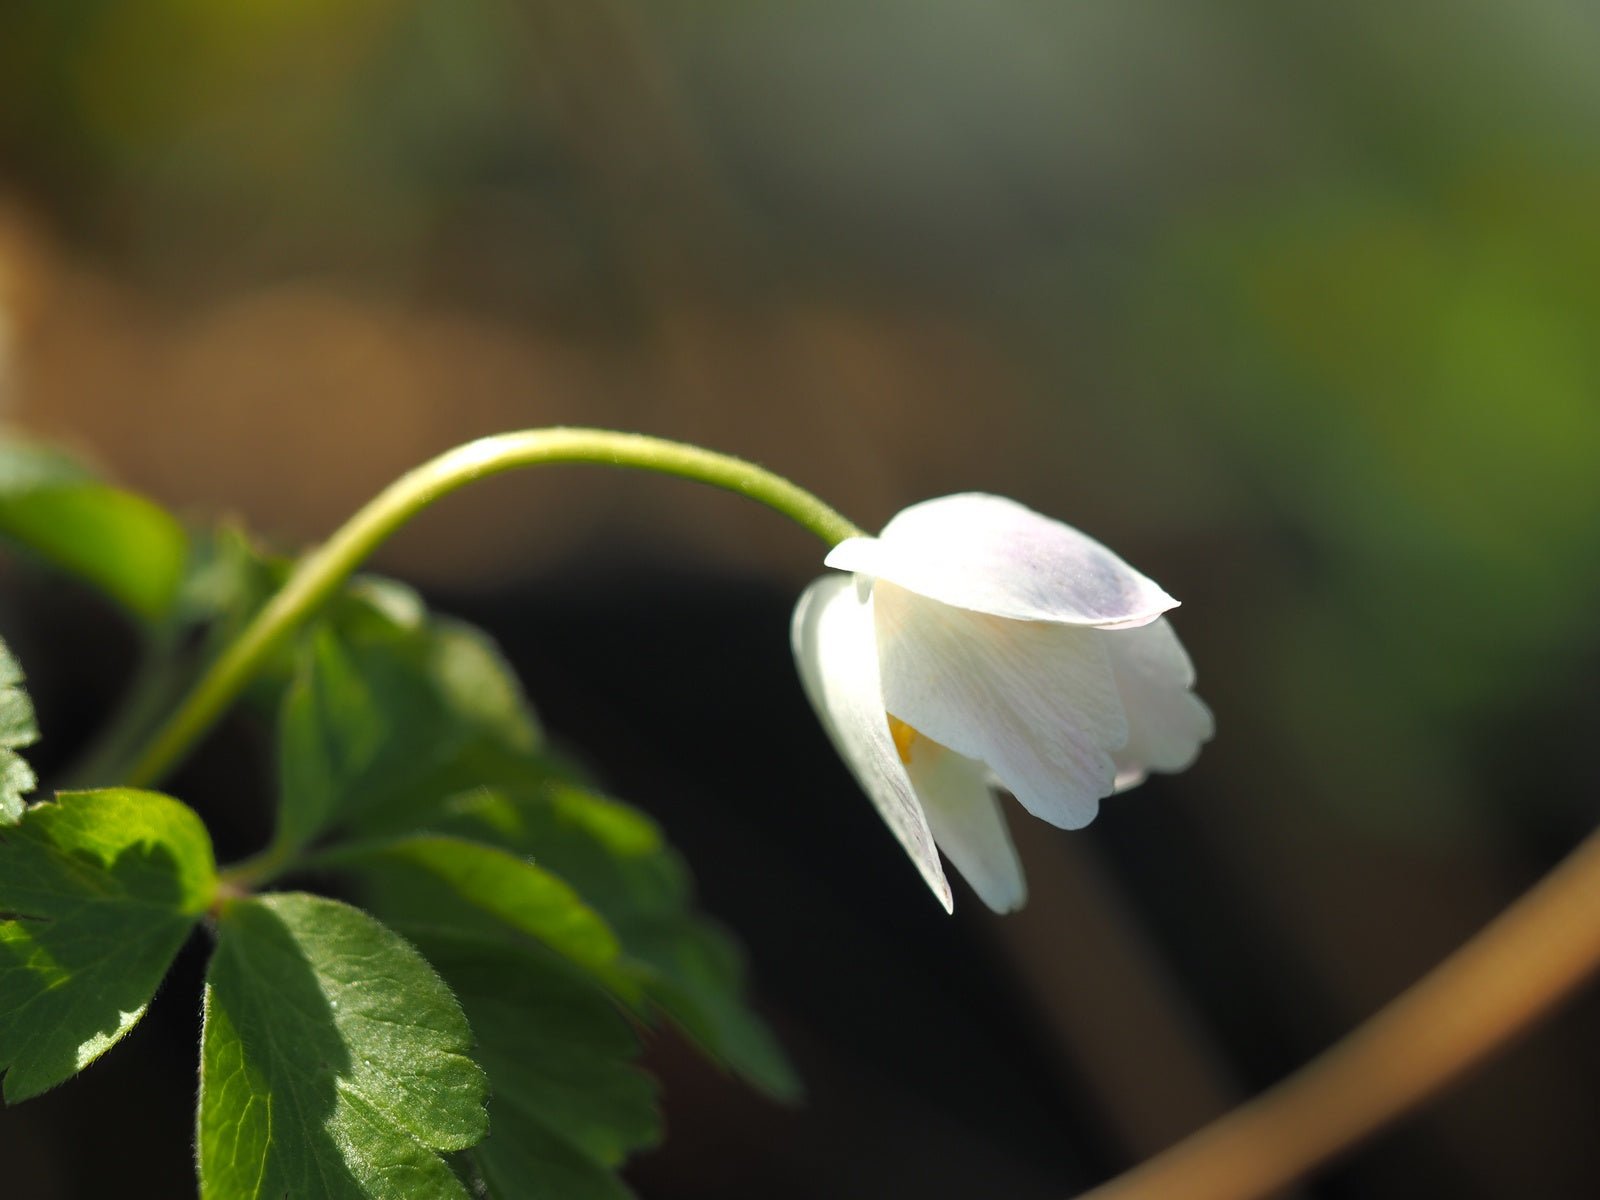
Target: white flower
[[980, 644]]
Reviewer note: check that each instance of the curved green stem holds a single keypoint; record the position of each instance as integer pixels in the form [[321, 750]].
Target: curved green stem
[[321, 572]]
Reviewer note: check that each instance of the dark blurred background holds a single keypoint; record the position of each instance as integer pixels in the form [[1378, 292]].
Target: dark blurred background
[[1296, 306]]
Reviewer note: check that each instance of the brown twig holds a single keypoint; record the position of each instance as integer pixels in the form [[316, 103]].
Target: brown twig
[[1524, 963]]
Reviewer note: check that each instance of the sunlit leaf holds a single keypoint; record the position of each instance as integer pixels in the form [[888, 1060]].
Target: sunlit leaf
[[397, 721], [334, 1061], [330, 728], [17, 730], [389, 713], [432, 882], [97, 892], [618, 862], [116, 541]]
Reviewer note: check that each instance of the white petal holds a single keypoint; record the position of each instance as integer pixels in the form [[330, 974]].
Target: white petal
[[1127, 777], [993, 555], [834, 646], [967, 823], [1166, 721], [1034, 702]]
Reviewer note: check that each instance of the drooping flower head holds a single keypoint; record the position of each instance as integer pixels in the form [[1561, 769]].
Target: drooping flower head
[[978, 644]]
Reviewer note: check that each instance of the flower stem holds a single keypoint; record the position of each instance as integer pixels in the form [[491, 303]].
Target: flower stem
[[1524, 962], [321, 572]]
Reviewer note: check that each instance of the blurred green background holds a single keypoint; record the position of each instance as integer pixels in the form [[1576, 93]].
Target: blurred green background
[[1297, 306]]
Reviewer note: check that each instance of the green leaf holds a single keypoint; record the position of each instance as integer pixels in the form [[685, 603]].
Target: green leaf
[[568, 1105], [430, 882], [17, 730], [398, 722], [616, 859], [334, 1060], [97, 892], [389, 713], [124, 545], [695, 972], [534, 1162], [329, 731], [228, 580]]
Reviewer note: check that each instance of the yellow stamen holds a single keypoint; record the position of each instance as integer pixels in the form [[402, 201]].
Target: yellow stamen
[[904, 737]]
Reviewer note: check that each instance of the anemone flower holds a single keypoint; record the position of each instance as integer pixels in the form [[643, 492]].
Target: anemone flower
[[978, 645]]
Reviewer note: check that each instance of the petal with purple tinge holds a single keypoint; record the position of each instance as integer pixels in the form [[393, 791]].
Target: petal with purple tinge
[[993, 555]]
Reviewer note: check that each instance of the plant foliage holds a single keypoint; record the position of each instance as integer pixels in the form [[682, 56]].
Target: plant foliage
[[473, 1029]]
